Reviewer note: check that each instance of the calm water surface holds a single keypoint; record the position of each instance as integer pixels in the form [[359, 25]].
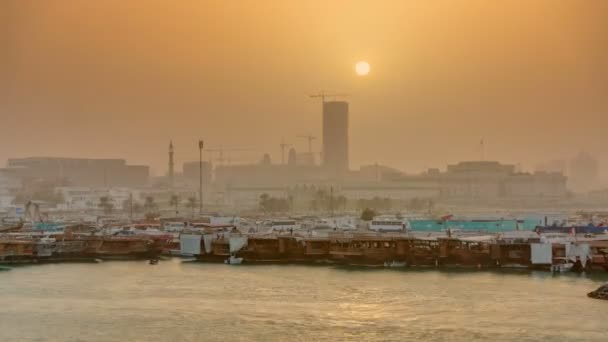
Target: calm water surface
[[184, 301]]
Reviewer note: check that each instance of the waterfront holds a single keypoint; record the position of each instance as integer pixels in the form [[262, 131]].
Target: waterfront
[[186, 301]]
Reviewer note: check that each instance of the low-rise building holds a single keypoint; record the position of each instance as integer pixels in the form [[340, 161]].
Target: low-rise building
[[81, 171], [479, 180]]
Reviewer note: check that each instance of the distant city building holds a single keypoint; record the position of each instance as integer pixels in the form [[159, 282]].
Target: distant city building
[[89, 198], [584, 173], [256, 175], [558, 165], [376, 173], [248, 197], [266, 159], [9, 185], [335, 137], [191, 172], [598, 197], [306, 159], [478, 180], [397, 191], [81, 171]]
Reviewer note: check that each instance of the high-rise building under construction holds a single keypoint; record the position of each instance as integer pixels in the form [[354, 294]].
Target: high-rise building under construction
[[335, 136]]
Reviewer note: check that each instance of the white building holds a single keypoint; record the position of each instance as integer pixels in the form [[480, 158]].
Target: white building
[[82, 198]]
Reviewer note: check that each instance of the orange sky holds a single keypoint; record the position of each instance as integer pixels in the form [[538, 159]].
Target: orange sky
[[120, 78]]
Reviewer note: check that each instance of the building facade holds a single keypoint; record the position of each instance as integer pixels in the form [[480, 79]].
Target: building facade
[[192, 172], [81, 171], [584, 173], [9, 185], [490, 180], [335, 137]]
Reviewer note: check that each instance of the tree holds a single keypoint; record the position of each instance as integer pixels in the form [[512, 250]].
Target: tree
[[150, 207], [149, 204], [322, 200], [272, 204], [191, 204], [137, 208], [368, 214], [387, 203], [264, 200], [126, 205], [431, 205], [341, 202], [174, 201], [376, 203], [414, 204], [105, 203]]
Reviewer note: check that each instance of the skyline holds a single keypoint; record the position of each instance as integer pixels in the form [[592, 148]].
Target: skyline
[[361, 170], [533, 89]]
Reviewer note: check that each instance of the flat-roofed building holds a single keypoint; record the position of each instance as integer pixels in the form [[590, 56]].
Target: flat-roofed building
[[81, 171]]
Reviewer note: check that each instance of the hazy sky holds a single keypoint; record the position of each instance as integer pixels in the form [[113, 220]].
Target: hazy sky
[[120, 78]]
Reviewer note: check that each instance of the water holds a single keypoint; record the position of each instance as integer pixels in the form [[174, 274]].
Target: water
[[177, 301]]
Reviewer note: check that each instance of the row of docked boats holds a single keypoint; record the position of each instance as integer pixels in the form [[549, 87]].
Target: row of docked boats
[[517, 249], [78, 243], [384, 241]]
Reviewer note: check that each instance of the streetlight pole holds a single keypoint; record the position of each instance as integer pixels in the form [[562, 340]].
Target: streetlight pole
[[331, 200], [200, 172]]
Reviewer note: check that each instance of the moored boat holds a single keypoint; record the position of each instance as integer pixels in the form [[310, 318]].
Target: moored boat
[[600, 293]]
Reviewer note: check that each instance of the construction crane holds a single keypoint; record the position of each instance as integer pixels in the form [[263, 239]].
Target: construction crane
[[322, 94], [283, 147], [310, 138]]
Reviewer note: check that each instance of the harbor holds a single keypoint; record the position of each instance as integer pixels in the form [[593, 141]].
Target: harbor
[[303, 171], [381, 242]]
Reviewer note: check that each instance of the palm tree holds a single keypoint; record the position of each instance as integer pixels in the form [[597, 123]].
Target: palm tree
[[368, 214], [341, 202], [105, 203], [150, 206], [174, 201], [431, 204], [191, 204], [321, 200], [137, 208], [264, 202]]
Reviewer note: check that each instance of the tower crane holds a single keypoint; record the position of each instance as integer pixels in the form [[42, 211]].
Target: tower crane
[[310, 138], [322, 94]]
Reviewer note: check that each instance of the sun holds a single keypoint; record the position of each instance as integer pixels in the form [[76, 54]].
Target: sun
[[362, 68]]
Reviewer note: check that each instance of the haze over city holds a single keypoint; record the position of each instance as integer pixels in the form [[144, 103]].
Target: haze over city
[[120, 79], [310, 170]]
